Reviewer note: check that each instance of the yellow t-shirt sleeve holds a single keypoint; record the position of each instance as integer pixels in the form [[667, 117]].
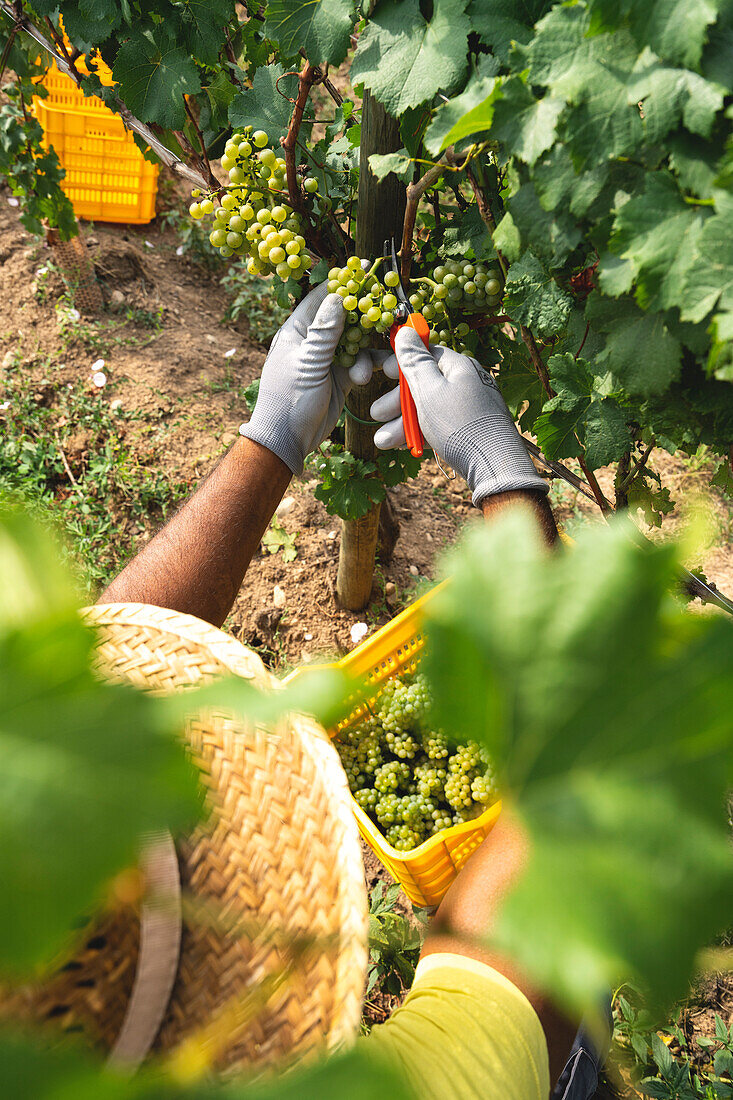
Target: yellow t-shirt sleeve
[[464, 1032]]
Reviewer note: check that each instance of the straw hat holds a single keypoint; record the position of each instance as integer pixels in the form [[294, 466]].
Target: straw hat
[[248, 938]]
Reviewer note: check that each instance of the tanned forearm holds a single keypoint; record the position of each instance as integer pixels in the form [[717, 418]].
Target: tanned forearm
[[494, 505], [196, 563]]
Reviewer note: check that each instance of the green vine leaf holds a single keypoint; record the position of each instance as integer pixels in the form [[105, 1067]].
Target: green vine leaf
[[526, 126], [449, 115], [404, 59], [154, 74], [656, 240], [264, 106], [591, 744], [533, 298], [349, 486], [320, 27], [400, 164], [675, 29], [500, 23]]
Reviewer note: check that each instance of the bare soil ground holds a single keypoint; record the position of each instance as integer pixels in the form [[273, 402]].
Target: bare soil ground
[[189, 399]]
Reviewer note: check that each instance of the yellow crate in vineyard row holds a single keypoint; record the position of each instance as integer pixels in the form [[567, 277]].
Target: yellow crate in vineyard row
[[425, 872], [107, 177]]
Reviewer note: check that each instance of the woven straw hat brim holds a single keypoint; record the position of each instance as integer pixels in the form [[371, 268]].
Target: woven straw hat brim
[[273, 951]]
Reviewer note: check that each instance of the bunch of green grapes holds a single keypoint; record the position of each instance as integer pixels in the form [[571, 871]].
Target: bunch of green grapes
[[455, 288], [253, 219], [369, 305], [405, 775]]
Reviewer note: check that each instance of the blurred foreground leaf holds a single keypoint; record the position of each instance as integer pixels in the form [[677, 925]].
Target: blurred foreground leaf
[[610, 712], [30, 1070], [86, 767]]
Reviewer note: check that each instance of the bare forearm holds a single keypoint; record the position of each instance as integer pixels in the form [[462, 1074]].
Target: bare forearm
[[493, 505], [197, 561]]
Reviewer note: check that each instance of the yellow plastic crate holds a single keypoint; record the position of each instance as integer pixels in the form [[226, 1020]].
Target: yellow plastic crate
[[427, 871], [107, 177]]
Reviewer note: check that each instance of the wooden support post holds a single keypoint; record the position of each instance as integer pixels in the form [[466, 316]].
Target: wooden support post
[[380, 215]]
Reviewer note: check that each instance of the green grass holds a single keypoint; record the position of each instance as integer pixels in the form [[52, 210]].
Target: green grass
[[90, 491]]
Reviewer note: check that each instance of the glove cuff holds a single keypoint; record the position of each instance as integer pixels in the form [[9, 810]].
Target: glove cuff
[[491, 455], [270, 427]]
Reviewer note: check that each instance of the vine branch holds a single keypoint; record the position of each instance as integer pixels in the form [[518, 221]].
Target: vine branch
[[415, 192], [307, 77]]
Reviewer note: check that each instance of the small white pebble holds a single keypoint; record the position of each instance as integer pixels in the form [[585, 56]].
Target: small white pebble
[[13, 202], [149, 245], [179, 250], [307, 637], [42, 271], [284, 506], [115, 405], [359, 631], [230, 353], [99, 378], [278, 596], [331, 535], [74, 315], [98, 364], [414, 570]]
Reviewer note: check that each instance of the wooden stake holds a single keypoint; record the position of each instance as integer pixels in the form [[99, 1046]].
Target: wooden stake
[[380, 215]]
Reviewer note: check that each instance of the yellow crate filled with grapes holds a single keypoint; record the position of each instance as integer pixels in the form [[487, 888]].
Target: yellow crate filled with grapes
[[422, 804]]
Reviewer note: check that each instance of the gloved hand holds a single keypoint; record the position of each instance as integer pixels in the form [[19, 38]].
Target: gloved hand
[[462, 415], [302, 391]]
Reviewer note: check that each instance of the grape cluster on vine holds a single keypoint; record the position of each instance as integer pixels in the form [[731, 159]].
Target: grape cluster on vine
[[253, 218], [405, 775]]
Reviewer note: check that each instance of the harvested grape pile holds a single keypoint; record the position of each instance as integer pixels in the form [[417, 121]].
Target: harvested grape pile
[[406, 776]]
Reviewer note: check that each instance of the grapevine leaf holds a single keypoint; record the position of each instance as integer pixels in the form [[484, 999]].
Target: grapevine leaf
[[397, 466], [593, 74], [655, 236], [467, 235], [533, 298], [404, 58], [580, 407], [640, 349], [519, 382], [590, 744], [480, 85], [709, 280], [723, 478], [348, 486], [525, 125], [154, 74], [670, 96], [201, 24], [551, 236], [264, 106], [320, 27], [693, 161], [477, 120], [399, 163], [499, 23], [91, 22], [674, 29]]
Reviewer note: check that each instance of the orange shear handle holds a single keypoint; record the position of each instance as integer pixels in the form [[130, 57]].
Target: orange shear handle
[[413, 435]]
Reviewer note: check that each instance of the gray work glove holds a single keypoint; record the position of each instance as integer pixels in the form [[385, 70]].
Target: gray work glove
[[462, 415], [302, 391]]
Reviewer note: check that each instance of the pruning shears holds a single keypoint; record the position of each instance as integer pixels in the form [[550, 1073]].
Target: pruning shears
[[404, 316]]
